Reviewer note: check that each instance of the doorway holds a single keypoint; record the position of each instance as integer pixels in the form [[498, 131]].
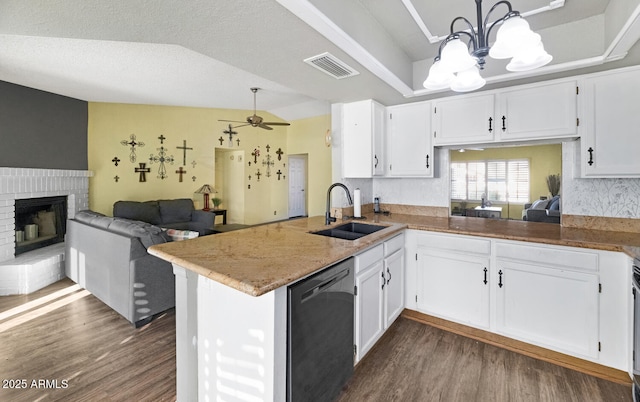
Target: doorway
[[298, 185], [229, 167]]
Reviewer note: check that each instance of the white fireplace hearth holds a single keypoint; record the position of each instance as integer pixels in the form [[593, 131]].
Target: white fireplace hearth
[[35, 269]]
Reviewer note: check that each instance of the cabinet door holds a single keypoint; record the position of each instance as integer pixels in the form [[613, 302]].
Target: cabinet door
[[464, 120], [454, 286], [409, 140], [362, 142], [553, 308], [394, 286], [539, 112], [611, 125], [369, 308]]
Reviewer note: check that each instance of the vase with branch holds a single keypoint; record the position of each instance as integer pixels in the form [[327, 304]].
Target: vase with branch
[[553, 184]]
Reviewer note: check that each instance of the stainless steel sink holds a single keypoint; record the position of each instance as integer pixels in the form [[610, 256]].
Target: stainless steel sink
[[350, 231]]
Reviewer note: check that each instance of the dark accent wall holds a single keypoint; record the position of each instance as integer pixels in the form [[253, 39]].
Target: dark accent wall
[[41, 130]]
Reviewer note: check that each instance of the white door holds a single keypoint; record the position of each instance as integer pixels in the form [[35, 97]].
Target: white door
[[409, 140], [297, 185]]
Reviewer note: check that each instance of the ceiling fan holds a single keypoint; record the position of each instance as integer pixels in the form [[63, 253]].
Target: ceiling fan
[[255, 120]]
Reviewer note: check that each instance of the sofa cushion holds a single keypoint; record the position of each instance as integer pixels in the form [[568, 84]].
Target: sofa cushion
[[554, 205], [147, 211], [93, 218], [540, 204], [147, 233], [178, 210]]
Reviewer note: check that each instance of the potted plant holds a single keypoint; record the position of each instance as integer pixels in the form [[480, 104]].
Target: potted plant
[[216, 202]]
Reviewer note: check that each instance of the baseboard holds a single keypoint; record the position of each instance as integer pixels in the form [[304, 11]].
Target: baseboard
[[537, 352]]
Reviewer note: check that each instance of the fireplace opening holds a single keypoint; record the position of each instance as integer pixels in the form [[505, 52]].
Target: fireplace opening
[[40, 222]]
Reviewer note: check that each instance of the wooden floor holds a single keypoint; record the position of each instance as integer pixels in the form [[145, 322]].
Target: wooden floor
[[87, 352]]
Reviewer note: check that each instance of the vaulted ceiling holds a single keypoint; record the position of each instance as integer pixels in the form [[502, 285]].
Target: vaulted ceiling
[[208, 53]]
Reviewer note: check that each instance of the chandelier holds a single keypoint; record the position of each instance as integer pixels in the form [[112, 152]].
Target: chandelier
[[457, 65]]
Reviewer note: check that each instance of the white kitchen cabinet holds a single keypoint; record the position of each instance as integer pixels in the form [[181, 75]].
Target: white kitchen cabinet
[[363, 139], [379, 292], [548, 296], [409, 144], [610, 127], [462, 120], [538, 111], [453, 278]]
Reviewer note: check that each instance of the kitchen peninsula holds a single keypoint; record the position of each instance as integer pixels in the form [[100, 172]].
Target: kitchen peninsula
[[231, 290]]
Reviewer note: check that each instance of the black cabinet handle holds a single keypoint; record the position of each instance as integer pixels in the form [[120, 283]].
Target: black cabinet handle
[[376, 158], [590, 150], [504, 127], [500, 278], [384, 280], [490, 121], [485, 275], [427, 161], [389, 278]]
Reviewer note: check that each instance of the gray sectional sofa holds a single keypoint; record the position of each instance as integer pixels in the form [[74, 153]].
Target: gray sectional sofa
[[171, 214], [108, 257]]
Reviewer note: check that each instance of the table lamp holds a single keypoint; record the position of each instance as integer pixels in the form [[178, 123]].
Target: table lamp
[[206, 190]]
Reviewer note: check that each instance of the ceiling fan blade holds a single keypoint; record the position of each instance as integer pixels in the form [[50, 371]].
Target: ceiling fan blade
[[262, 125], [233, 121], [277, 123]]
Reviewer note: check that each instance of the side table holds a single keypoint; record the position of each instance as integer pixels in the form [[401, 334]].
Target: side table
[[222, 212]]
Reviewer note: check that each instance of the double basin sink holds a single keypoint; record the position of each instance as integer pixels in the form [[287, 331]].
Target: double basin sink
[[350, 231]]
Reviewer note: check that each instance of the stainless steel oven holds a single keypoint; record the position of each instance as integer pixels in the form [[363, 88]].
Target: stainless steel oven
[[636, 329]]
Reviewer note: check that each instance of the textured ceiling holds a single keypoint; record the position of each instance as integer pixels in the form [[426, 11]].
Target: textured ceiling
[[208, 53]]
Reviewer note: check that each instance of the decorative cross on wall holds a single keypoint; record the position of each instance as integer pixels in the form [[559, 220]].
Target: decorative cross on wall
[[278, 173], [221, 140], [230, 133], [115, 160], [238, 141], [279, 152], [184, 149], [162, 138], [255, 154], [132, 143], [258, 174], [161, 158], [143, 170], [268, 148], [194, 163], [268, 163], [180, 172], [116, 178]]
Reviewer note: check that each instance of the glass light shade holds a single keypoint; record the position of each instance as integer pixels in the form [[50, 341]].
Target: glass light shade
[[512, 36], [438, 78], [455, 57], [530, 59], [468, 80]]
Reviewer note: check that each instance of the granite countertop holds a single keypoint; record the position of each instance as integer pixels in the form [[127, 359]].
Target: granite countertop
[[262, 258]]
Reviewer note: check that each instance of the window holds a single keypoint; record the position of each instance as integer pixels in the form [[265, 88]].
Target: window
[[500, 180]]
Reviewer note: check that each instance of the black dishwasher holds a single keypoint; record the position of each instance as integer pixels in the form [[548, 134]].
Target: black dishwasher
[[320, 311]]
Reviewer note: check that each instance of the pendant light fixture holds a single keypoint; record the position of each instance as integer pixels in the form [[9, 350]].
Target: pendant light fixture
[[457, 65]]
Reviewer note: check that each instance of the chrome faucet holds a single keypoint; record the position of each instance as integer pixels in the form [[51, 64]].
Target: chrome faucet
[[328, 217]]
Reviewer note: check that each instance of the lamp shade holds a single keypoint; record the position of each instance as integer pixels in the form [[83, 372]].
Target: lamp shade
[[468, 80], [513, 36], [530, 59], [455, 57], [438, 77], [206, 189]]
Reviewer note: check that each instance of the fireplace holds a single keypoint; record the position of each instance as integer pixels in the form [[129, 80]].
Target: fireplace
[[40, 222]]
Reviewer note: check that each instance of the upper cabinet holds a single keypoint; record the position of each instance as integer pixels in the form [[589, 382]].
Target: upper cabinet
[[409, 145], [463, 120], [534, 112], [363, 139], [611, 124], [537, 112]]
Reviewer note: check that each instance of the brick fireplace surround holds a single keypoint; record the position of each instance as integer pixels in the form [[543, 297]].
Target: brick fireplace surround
[[35, 269]]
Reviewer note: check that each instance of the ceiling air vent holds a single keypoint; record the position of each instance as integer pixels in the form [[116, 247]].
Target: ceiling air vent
[[331, 65]]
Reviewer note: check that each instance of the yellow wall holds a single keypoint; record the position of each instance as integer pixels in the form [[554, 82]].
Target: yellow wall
[[544, 160], [109, 124], [307, 136]]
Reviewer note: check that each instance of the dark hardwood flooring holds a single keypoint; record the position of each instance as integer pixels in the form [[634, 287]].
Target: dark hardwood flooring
[[76, 338]]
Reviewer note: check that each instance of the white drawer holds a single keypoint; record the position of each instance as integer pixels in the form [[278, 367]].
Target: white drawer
[[456, 243], [393, 245], [549, 255], [369, 257]]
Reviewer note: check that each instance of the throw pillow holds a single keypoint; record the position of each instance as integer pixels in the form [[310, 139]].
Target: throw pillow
[[177, 235]]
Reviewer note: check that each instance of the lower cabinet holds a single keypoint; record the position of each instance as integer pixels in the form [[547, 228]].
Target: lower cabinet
[[572, 300], [379, 292]]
